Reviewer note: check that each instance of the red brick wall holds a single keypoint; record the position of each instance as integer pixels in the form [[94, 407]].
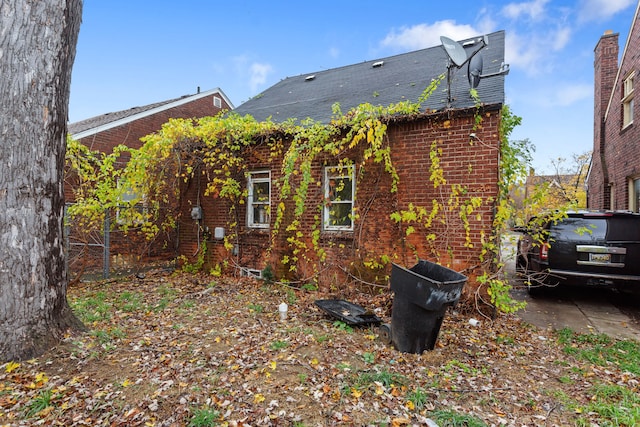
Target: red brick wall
[[608, 184], [605, 70], [129, 134], [470, 163]]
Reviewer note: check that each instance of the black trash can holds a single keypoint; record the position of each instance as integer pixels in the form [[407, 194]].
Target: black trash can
[[421, 297]]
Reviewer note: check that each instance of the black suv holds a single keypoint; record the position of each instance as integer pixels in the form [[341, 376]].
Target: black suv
[[593, 248]]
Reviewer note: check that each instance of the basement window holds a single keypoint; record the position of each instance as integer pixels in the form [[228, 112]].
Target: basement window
[[259, 199], [339, 192], [627, 100]]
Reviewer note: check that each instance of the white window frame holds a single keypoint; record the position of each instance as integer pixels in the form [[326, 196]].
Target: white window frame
[[627, 100], [217, 102], [124, 202], [254, 206], [331, 174]]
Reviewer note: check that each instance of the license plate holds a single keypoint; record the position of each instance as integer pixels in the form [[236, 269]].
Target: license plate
[[603, 258]]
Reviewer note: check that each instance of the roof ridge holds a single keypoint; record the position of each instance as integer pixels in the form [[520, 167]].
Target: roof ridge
[[389, 57], [101, 121]]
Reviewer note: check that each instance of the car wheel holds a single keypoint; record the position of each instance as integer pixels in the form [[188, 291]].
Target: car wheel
[[535, 289]]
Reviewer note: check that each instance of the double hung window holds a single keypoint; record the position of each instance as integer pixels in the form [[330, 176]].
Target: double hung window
[[339, 192], [132, 207], [259, 199], [627, 101]]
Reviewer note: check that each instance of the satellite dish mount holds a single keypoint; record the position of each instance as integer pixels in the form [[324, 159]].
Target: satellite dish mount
[[458, 58]]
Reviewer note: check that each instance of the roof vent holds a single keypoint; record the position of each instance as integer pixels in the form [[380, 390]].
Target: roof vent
[[311, 77], [378, 64]]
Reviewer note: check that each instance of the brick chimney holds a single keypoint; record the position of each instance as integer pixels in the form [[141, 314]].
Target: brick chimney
[[605, 70]]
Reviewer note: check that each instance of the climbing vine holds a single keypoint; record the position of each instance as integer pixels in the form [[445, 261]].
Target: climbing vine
[[214, 150]]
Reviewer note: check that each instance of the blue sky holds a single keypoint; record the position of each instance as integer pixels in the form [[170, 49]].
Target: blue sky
[[132, 53]]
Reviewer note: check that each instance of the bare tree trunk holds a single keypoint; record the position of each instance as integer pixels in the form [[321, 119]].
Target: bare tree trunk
[[37, 48]]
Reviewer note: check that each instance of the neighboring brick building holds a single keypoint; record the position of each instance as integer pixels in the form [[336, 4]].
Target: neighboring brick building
[[103, 133], [469, 160], [614, 174]]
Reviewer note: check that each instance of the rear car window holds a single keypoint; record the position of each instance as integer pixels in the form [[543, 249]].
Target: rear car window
[[582, 229], [624, 229]]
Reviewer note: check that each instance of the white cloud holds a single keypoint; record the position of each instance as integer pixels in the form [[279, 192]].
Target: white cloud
[[255, 72], [599, 10], [423, 35], [532, 52], [571, 94], [334, 52], [561, 38], [545, 96], [258, 76], [486, 22], [533, 10]]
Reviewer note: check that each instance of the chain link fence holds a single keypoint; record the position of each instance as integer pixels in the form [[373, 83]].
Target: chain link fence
[[108, 251]]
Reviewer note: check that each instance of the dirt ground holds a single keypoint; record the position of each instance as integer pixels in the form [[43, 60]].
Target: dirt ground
[[163, 350]]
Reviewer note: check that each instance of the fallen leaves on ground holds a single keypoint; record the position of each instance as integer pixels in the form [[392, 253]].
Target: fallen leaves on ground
[[168, 349]]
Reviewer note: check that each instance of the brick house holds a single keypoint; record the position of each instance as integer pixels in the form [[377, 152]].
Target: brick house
[[104, 132], [355, 228], [614, 174]]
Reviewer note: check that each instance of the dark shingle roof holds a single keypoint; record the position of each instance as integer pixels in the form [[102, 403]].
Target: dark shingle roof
[[399, 78], [107, 118]]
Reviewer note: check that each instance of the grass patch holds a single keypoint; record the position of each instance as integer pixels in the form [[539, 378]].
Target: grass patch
[[39, 403], [106, 338], [601, 350], [130, 301], [368, 357], [256, 308], [204, 417], [418, 397], [92, 308], [609, 404], [167, 295], [320, 338], [383, 377], [341, 326], [446, 418], [612, 405], [278, 345]]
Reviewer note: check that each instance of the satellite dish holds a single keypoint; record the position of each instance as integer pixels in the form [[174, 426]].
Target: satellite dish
[[458, 57], [474, 73], [456, 52]]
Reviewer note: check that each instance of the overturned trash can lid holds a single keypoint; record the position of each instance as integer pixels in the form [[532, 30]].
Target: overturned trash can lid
[[421, 297], [348, 312]]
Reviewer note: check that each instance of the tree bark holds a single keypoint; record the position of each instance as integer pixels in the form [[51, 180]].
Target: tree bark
[[37, 48]]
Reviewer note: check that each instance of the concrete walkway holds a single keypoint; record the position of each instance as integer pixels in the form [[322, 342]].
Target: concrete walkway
[[581, 310], [581, 315]]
